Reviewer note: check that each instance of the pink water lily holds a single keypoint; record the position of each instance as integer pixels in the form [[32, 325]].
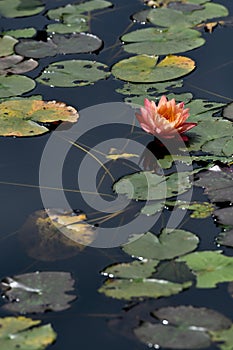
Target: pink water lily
[[165, 120]]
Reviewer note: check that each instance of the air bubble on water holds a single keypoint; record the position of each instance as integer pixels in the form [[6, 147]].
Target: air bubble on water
[[110, 275], [164, 321]]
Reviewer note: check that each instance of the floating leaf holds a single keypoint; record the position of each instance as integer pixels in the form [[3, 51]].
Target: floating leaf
[[139, 100], [15, 64], [209, 267], [150, 186], [208, 130], [167, 17], [201, 210], [171, 337], [154, 41], [135, 269], [153, 208], [21, 332], [141, 16], [134, 288], [225, 216], [228, 111], [38, 292], [73, 73], [143, 68], [59, 44], [15, 85], [72, 16], [225, 238], [7, 44], [218, 184], [20, 8], [148, 89], [186, 327], [21, 33], [198, 107], [169, 244], [189, 316], [224, 338], [42, 239], [20, 117]]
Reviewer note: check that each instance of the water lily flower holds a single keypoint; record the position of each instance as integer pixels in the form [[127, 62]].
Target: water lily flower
[[165, 120]]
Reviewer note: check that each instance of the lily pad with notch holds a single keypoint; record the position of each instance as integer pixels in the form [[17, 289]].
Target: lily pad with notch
[[168, 245], [73, 73], [157, 41], [25, 333], [59, 44], [15, 64], [20, 8], [144, 68], [21, 117], [38, 292], [185, 327]]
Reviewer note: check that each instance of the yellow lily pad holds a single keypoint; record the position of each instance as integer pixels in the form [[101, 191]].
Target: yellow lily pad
[[20, 117], [144, 68]]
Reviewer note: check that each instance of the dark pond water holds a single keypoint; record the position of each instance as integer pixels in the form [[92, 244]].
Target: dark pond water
[[91, 321]]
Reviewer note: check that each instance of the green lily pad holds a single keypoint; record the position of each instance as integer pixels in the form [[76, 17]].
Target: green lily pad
[[139, 100], [59, 44], [24, 333], [153, 208], [20, 8], [148, 89], [144, 68], [72, 16], [7, 44], [20, 117], [207, 131], [154, 41], [138, 288], [167, 17], [198, 108], [141, 16], [150, 186], [135, 269], [223, 338], [15, 85], [186, 327], [73, 73], [168, 245], [225, 238], [21, 33], [201, 210], [210, 267], [38, 292], [218, 184], [15, 64]]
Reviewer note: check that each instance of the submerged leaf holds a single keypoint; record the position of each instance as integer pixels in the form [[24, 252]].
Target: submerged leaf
[[38, 292], [20, 117], [225, 216], [43, 240], [225, 238], [168, 245], [73, 73], [144, 68], [22, 332]]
